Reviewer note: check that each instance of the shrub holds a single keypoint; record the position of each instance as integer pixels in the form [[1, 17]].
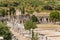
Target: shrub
[[4, 31], [47, 7]]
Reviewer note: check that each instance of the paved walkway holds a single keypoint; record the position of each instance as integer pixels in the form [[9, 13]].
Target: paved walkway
[[53, 31], [15, 33], [19, 37]]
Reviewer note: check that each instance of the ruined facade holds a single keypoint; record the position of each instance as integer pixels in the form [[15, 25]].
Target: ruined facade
[[43, 17]]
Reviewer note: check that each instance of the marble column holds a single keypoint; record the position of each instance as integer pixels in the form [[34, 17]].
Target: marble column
[[44, 20], [48, 20], [39, 19], [8, 16]]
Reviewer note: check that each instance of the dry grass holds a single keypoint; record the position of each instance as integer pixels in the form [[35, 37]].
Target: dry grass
[[48, 26]]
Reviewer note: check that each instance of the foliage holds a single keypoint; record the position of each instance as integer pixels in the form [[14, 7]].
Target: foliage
[[57, 8], [12, 10], [3, 4], [30, 25], [34, 18], [54, 16], [52, 3], [30, 6], [34, 36], [47, 7], [4, 31], [14, 4], [3, 12]]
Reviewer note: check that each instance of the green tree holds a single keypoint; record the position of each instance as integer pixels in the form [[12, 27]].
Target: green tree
[[3, 12], [3, 4], [52, 3], [33, 38], [47, 7], [54, 16], [36, 36], [4, 32], [34, 18], [12, 10], [30, 25]]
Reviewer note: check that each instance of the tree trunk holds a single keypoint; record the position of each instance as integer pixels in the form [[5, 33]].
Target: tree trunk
[[32, 35]]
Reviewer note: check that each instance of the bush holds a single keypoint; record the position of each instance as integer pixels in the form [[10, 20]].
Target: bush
[[4, 31], [54, 16], [3, 4], [14, 4], [57, 8], [34, 18], [12, 10], [47, 7]]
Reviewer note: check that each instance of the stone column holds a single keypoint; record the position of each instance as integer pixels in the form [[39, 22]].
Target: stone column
[[8, 14], [48, 20], [39, 20], [44, 20]]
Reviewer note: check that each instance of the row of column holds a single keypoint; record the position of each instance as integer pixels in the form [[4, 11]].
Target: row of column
[[40, 20], [43, 20]]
